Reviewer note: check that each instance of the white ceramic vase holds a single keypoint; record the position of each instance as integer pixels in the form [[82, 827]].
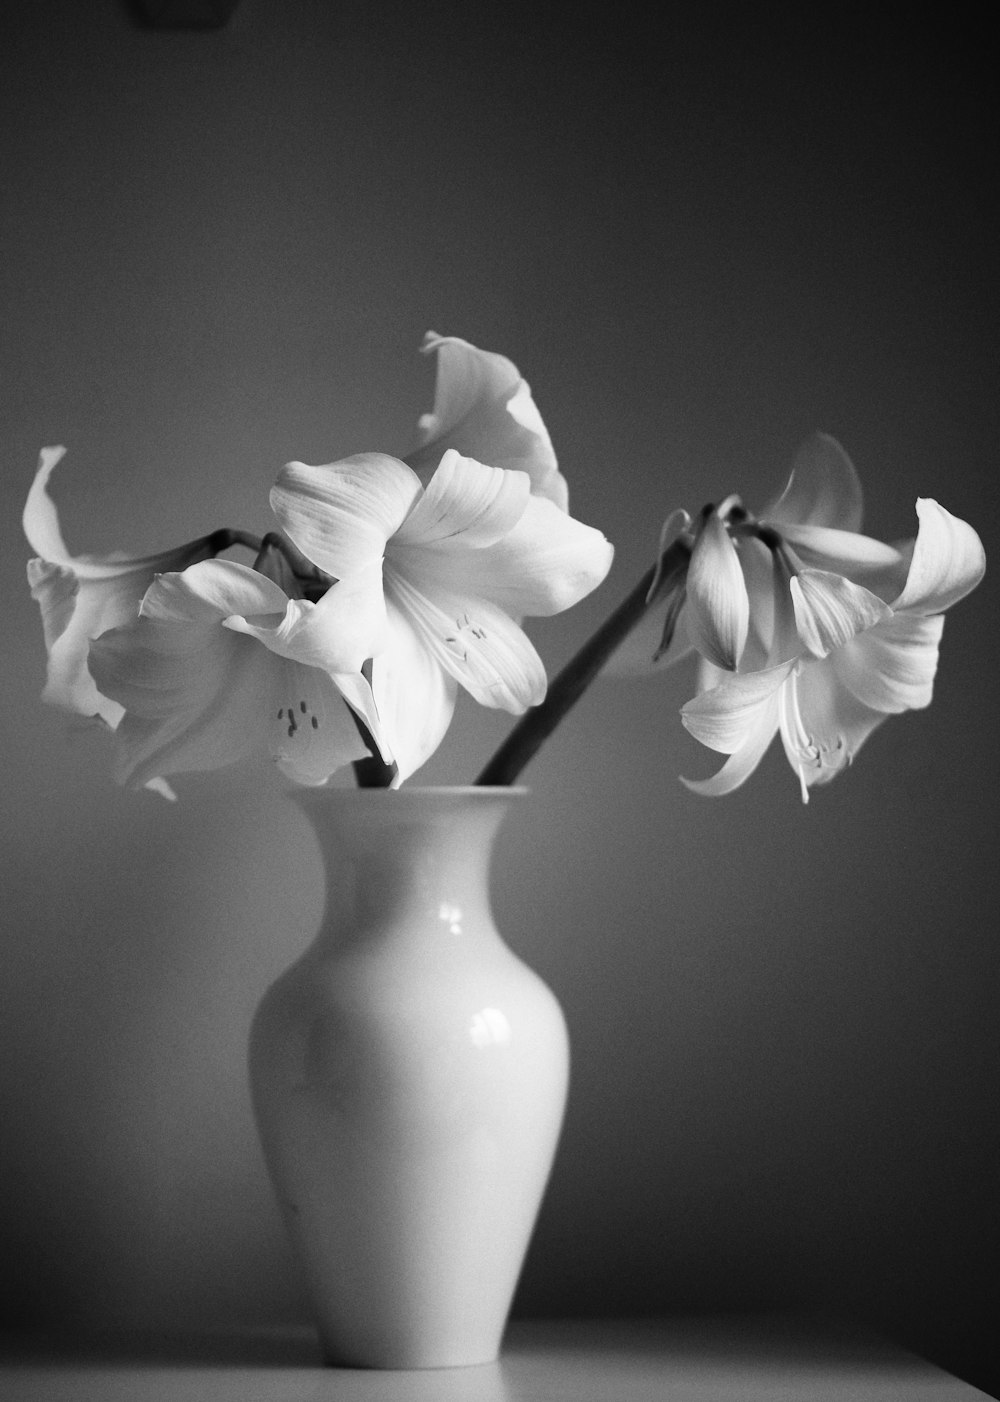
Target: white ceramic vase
[[409, 1078]]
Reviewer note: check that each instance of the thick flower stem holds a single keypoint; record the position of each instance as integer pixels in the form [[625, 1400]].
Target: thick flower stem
[[566, 689], [373, 772]]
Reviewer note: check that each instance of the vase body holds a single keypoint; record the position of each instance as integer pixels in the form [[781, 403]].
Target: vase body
[[409, 1077]]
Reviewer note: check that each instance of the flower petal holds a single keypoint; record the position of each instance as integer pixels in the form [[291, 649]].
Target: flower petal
[[341, 514], [210, 591], [830, 610], [739, 718], [474, 641], [41, 519], [41, 526], [725, 717], [356, 690], [83, 596], [717, 608], [195, 696], [891, 667], [547, 563], [414, 695], [844, 552], [70, 618], [314, 735], [338, 633], [823, 490], [834, 722], [484, 410], [948, 561], [467, 504], [742, 762], [55, 589], [199, 696]]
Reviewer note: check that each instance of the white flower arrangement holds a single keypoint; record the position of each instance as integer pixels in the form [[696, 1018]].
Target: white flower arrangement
[[393, 582]]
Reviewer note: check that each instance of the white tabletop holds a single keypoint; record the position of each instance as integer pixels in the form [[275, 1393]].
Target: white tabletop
[[722, 1359]]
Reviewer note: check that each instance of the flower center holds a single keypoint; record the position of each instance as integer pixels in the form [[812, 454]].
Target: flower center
[[297, 716]]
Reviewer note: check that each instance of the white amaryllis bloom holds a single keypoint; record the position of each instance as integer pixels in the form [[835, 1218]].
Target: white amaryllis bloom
[[484, 410], [843, 631], [462, 559], [741, 577], [220, 664], [80, 596]]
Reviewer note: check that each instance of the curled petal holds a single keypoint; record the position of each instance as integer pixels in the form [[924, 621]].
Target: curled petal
[[830, 610], [467, 504], [740, 717], [484, 410], [718, 608], [41, 526], [41, 519], [725, 716], [823, 490], [82, 596], [341, 514], [741, 763], [948, 561], [891, 667], [210, 591], [338, 633]]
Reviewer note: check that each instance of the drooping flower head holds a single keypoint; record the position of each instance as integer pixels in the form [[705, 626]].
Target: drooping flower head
[[807, 627]]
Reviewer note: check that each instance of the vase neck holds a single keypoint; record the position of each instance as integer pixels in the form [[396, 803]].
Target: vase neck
[[420, 853]]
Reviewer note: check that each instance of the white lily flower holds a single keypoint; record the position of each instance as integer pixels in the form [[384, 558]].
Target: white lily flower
[[462, 559], [221, 664], [863, 657], [803, 625], [80, 596], [484, 410], [763, 589]]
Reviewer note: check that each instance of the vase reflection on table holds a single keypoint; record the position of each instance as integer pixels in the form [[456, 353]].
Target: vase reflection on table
[[409, 1078]]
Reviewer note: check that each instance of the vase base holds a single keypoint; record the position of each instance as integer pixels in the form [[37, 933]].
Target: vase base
[[416, 1361]]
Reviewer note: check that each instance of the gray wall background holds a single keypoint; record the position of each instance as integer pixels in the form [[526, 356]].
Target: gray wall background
[[701, 237]]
